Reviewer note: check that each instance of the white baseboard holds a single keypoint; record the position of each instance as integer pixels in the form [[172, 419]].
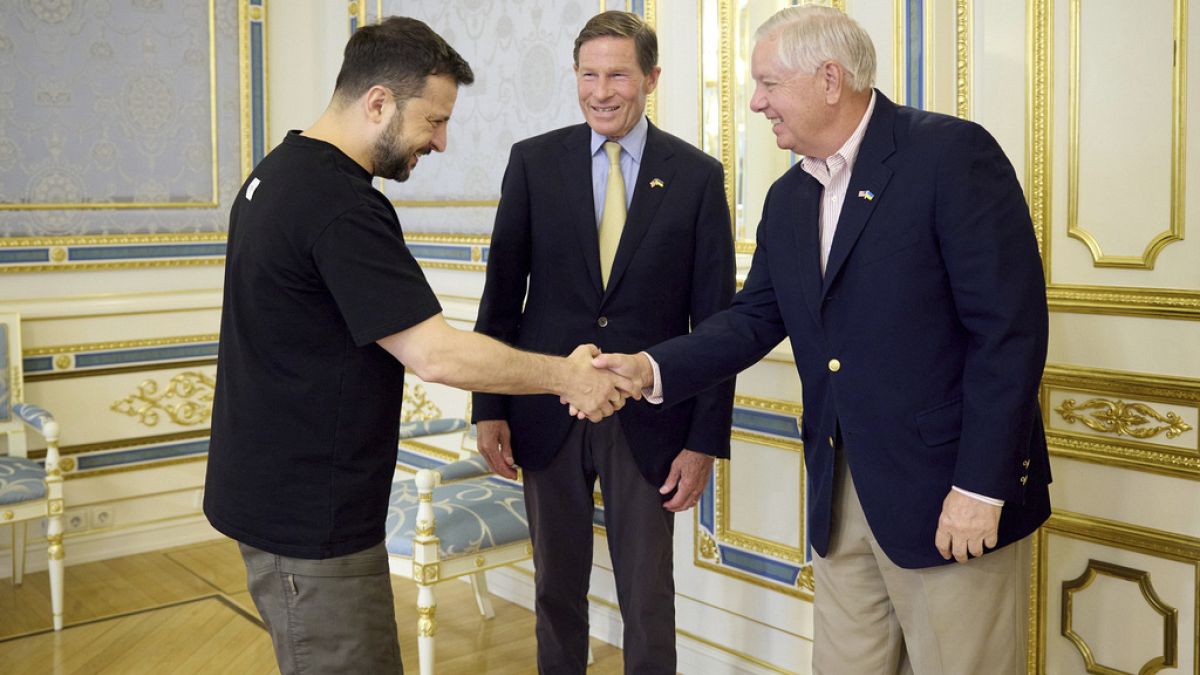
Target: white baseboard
[[605, 625], [114, 543]]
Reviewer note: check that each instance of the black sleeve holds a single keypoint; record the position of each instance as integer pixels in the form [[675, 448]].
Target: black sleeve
[[375, 281]]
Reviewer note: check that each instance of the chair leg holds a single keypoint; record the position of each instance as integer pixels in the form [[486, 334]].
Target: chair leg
[[18, 552], [591, 657], [426, 627], [54, 551], [482, 598]]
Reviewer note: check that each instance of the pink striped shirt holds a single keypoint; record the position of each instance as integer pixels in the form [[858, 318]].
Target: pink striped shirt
[[833, 173]]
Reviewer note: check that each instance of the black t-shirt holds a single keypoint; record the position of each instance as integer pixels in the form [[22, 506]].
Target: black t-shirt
[[305, 419]]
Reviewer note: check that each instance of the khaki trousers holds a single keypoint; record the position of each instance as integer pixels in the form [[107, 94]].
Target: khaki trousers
[[874, 617]]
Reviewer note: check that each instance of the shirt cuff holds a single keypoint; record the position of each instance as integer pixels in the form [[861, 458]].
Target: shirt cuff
[[986, 500], [654, 394]]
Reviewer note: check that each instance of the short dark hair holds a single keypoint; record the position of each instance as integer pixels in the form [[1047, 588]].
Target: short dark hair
[[398, 53], [622, 25]]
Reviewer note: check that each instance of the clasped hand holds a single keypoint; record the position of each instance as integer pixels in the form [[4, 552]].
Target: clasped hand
[[595, 393], [633, 374]]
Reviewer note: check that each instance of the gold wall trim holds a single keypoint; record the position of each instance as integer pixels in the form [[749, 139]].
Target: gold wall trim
[[1170, 656], [963, 40], [1120, 418], [186, 400], [775, 405], [121, 344], [212, 203], [126, 468], [82, 448], [1174, 231], [1135, 538], [1161, 303], [431, 450], [417, 406], [121, 370], [1124, 451], [440, 238], [650, 16], [454, 267], [444, 203]]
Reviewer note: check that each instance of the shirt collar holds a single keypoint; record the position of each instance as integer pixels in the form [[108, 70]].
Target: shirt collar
[[633, 142], [821, 168]]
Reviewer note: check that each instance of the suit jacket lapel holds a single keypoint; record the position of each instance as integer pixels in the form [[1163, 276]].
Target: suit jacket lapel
[[806, 234], [646, 200], [869, 176], [576, 162]]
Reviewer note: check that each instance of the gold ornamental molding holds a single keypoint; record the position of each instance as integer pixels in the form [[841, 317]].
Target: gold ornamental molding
[[1170, 655], [1121, 418], [1174, 231], [963, 33], [1131, 411], [706, 546], [1125, 536], [1162, 303], [186, 400], [417, 407]]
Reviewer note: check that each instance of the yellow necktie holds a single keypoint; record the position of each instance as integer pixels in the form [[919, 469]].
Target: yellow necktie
[[612, 218]]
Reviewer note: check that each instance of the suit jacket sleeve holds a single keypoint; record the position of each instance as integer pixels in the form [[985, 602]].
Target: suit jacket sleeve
[[995, 274], [730, 340], [507, 276], [713, 271]]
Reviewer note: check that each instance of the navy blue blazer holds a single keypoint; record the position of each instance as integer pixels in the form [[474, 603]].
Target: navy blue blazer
[[922, 345], [673, 268]]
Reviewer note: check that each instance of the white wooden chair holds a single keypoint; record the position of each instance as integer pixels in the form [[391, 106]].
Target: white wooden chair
[[28, 490], [451, 522]]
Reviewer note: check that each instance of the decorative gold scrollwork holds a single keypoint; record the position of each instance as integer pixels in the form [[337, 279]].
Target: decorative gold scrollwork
[[708, 547], [1121, 418], [187, 400], [427, 621], [805, 579], [417, 406]]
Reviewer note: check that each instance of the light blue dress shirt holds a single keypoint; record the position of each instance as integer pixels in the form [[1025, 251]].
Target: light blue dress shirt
[[632, 146]]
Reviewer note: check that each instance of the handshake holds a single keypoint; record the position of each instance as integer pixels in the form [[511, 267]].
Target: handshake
[[596, 385]]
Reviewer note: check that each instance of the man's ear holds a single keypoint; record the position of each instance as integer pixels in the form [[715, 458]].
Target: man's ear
[[833, 77], [376, 102]]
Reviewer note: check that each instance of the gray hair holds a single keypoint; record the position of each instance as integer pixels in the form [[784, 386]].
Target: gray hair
[[810, 35]]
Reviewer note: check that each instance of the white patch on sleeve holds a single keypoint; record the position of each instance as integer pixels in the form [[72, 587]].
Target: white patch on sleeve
[[251, 188]]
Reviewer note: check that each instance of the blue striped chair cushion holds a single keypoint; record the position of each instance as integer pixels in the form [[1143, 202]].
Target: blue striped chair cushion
[[473, 466], [33, 415], [471, 516], [22, 480], [419, 428]]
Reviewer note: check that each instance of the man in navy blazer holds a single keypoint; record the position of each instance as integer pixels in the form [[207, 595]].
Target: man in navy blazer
[[899, 259], [551, 286]]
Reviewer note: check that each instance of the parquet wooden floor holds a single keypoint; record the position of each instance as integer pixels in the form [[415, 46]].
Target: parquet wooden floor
[[186, 610]]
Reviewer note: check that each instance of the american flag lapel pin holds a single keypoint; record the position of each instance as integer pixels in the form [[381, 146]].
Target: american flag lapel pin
[[656, 182], [866, 194]]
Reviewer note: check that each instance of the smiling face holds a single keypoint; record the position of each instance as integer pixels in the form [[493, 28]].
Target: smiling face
[[795, 103], [416, 129], [612, 88]]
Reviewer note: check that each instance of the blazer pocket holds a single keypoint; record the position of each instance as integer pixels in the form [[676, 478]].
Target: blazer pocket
[[941, 424]]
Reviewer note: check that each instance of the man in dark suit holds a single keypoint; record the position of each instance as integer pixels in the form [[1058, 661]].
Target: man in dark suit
[[899, 259], [616, 233]]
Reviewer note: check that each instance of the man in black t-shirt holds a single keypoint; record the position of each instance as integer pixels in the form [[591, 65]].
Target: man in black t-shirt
[[324, 308]]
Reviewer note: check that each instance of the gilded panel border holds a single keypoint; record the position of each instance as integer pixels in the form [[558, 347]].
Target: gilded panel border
[[1134, 538], [1174, 231], [1120, 448], [1079, 298], [148, 251], [743, 556]]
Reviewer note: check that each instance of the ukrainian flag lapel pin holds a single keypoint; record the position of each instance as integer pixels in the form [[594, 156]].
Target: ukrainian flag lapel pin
[[656, 182], [867, 195]]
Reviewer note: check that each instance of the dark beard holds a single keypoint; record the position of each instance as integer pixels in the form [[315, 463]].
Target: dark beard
[[386, 160]]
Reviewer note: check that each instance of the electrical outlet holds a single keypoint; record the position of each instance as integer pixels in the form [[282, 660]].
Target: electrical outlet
[[77, 520], [102, 516]]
